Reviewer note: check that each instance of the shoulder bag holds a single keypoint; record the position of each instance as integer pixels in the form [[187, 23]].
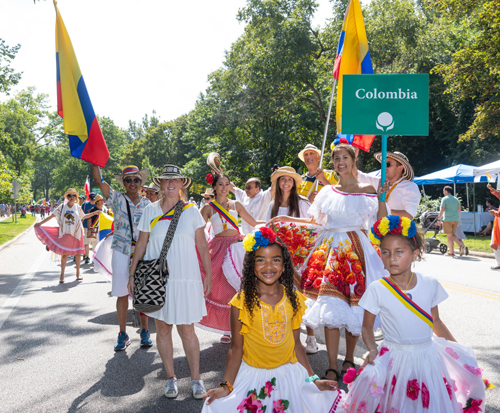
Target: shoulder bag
[[150, 278]]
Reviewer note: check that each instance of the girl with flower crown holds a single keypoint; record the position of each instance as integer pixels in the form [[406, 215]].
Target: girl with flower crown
[[343, 261], [223, 216], [412, 370], [267, 368]]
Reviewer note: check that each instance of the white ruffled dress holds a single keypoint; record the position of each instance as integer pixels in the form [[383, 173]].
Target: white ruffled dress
[[344, 258]]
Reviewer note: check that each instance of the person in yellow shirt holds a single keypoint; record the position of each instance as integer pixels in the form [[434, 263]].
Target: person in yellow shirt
[[309, 188], [267, 361]]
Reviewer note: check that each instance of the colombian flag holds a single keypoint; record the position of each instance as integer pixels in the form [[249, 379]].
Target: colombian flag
[[353, 58], [105, 225], [73, 103]]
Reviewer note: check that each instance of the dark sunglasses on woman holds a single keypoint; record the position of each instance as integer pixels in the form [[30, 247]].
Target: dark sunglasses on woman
[[71, 196]]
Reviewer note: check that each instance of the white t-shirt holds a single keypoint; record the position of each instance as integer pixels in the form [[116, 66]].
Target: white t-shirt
[[303, 208], [189, 222], [399, 324], [69, 220], [405, 196], [256, 206]]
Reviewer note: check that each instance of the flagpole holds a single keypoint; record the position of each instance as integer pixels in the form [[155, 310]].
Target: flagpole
[[328, 120]]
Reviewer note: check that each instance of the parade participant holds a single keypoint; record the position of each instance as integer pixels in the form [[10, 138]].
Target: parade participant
[[495, 231], [152, 191], [266, 353], [418, 367], [286, 201], [3, 208], [208, 196], [344, 261], [81, 200], [93, 223], [254, 200], [223, 215], [9, 208], [67, 239], [87, 206], [128, 209], [309, 188], [401, 195], [185, 291], [450, 208]]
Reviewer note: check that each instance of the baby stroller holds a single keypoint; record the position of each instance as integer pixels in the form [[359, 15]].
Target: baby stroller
[[428, 220]]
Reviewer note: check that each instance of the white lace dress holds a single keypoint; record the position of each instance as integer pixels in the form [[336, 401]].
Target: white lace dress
[[344, 262]]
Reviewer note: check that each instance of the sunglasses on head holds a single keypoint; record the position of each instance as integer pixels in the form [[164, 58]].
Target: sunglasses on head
[[71, 196], [130, 180]]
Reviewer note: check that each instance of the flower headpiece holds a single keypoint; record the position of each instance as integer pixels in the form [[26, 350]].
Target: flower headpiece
[[210, 178], [347, 139], [260, 238], [392, 224]]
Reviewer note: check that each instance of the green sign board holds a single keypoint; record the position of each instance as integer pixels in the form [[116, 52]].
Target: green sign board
[[97, 191], [385, 105]]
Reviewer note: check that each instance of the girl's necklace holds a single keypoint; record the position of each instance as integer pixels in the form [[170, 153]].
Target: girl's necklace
[[405, 291]]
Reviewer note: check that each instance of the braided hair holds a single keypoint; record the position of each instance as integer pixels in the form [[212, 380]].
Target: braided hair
[[249, 279]]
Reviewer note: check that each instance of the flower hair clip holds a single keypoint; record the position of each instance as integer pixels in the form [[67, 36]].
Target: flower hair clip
[[210, 178], [260, 238], [347, 139], [392, 225]]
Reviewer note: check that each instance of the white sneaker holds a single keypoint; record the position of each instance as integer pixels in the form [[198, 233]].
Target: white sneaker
[[171, 390], [311, 345], [198, 389]]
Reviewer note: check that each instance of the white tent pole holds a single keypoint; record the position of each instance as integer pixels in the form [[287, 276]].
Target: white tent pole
[[423, 189], [467, 190], [454, 189]]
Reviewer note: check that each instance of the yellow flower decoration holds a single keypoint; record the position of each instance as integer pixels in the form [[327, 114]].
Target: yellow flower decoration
[[373, 238], [384, 226], [406, 224], [249, 242]]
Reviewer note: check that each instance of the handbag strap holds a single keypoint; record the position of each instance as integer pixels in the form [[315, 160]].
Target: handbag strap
[[129, 219], [171, 230]]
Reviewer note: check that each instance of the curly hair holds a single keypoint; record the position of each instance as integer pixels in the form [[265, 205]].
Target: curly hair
[[249, 280]]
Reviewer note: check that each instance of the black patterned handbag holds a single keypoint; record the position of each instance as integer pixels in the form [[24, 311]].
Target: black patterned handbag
[[150, 278]]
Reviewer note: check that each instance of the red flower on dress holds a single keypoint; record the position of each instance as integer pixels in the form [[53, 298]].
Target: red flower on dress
[[360, 279], [382, 351], [210, 178], [359, 290], [350, 375], [425, 396], [317, 282], [393, 384], [412, 389], [474, 406]]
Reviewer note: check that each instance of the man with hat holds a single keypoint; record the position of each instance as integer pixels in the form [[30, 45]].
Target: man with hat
[[402, 196], [87, 206], [315, 177], [152, 192], [127, 208], [254, 200]]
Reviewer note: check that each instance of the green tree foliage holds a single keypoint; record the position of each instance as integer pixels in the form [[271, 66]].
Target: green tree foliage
[[474, 71], [8, 77]]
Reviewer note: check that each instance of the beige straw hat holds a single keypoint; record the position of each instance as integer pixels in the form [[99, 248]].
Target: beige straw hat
[[129, 172], [402, 159]]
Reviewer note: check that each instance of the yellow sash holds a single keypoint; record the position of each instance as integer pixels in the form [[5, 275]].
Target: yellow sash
[[169, 215]]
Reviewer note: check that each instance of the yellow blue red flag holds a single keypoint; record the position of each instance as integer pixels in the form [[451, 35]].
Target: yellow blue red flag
[[73, 102], [106, 225], [353, 58]]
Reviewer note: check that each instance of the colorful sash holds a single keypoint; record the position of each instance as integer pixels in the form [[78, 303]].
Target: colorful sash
[[393, 188], [407, 302], [169, 215], [224, 215]]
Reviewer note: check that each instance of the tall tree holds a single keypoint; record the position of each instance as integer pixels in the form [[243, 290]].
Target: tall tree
[[8, 76]]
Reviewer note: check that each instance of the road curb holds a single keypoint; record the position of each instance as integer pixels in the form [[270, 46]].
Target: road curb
[[8, 243], [481, 254]]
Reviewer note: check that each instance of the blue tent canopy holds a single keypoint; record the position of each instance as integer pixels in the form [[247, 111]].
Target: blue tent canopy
[[458, 174]]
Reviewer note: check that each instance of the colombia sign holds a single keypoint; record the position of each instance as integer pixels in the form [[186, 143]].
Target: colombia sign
[[385, 105]]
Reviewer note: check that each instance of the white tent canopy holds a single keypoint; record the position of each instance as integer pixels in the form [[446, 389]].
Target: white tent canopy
[[491, 168]]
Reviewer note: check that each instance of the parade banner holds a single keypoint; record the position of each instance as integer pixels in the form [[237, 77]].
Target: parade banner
[[381, 104]]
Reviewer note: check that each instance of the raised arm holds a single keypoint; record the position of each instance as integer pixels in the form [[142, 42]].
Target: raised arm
[[103, 186], [246, 216]]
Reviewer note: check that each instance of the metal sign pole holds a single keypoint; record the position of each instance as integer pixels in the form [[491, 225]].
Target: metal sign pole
[[383, 165]]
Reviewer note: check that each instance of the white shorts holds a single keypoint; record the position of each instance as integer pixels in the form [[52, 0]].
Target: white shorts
[[120, 267]]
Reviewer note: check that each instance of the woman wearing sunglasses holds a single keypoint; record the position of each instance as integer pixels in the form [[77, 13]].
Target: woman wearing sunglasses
[[67, 239]]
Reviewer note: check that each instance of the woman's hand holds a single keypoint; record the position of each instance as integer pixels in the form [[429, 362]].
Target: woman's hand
[[494, 213], [279, 218], [383, 189], [96, 212], [370, 358], [130, 285], [215, 394], [326, 385], [207, 286], [37, 224]]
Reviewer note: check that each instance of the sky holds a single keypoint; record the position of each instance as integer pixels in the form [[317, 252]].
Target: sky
[[136, 56]]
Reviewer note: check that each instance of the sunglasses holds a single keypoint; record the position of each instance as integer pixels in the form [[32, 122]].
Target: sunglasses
[[207, 198], [248, 188], [389, 164], [130, 180], [71, 196]]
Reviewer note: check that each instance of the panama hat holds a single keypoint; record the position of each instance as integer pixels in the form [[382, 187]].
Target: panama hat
[[208, 192], [71, 191], [402, 159], [98, 198], [152, 187], [284, 171], [171, 171], [308, 147], [130, 171]]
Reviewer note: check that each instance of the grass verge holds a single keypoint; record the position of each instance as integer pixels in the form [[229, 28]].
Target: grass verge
[[9, 229], [474, 243]]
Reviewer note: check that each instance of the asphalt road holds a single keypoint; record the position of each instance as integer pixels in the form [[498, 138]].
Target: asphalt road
[[57, 339]]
